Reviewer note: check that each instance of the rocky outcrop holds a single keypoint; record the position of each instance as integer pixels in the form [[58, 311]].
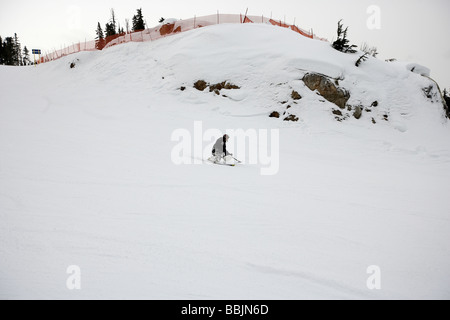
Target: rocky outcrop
[[274, 114], [357, 113], [167, 29], [327, 89], [295, 95], [291, 117], [200, 85]]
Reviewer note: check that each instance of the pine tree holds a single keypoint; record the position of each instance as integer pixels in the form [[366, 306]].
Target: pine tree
[[447, 103], [99, 39], [1, 51], [113, 22], [138, 21], [447, 97], [161, 20], [8, 51], [341, 43], [362, 59], [110, 29], [26, 56], [17, 53]]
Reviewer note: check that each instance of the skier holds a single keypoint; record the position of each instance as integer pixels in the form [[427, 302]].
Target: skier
[[219, 150]]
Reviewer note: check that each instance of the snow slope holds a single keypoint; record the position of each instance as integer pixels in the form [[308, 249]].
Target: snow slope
[[87, 179]]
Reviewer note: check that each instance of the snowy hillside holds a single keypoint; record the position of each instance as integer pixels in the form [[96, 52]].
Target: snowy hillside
[[87, 176]]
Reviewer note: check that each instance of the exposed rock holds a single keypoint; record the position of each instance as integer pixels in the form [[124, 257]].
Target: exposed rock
[[166, 29], [230, 86], [419, 69], [337, 112], [288, 107], [428, 91], [222, 85], [327, 89], [358, 113], [200, 85], [274, 114], [295, 95], [373, 121], [183, 88], [374, 104], [291, 117], [432, 93]]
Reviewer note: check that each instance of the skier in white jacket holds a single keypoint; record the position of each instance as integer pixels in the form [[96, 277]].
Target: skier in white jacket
[[219, 150]]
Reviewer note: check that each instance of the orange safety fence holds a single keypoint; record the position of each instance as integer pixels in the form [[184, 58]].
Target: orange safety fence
[[171, 27]]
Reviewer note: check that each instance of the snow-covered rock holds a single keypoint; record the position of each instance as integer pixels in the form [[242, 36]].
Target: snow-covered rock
[[419, 69]]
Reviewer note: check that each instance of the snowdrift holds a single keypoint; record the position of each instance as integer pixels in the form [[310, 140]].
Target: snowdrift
[[87, 179]]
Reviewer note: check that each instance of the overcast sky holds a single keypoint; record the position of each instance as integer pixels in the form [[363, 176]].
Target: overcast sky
[[413, 30]]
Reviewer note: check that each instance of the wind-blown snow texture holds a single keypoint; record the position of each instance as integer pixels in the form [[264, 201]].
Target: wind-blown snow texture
[[86, 176]]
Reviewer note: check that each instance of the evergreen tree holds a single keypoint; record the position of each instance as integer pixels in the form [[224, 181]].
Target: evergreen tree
[[1, 51], [138, 21], [362, 59], [161, 20], [8, 51], [26, 56], [447, 103], [17, 51], [447, 97], [110, 29], [113, 21], [341, 43], [11, 52], [99, 39]]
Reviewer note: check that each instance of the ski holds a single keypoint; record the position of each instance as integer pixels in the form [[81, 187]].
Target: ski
[[222, 164]]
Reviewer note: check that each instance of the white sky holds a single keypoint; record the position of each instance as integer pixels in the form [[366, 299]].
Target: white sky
[[413, 30]]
